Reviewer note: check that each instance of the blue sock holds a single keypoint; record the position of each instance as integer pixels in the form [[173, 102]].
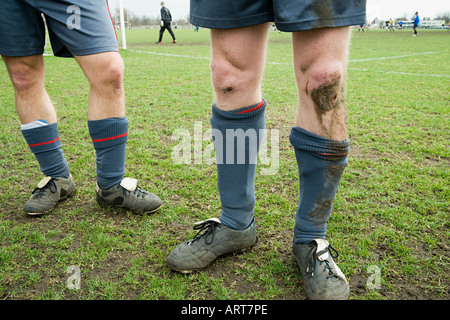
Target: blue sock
[[321, 163], [45, 144], [109, 137], [236, 157]]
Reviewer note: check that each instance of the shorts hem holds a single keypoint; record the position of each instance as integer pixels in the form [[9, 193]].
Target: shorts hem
[[60, 53], [86, 52], [231, 23], [21, 53], [321, 23]]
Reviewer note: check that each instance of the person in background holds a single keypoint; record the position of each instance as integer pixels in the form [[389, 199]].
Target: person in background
[[166, 21], [416, 23], [391, 25]]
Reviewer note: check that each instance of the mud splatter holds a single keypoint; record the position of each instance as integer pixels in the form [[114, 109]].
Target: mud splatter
[[324, 11], [328, 96], [321, 211]]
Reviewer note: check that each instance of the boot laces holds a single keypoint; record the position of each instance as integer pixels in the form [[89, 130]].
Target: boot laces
[[207, 227], [40, 192], [313, 255], [138, 192]]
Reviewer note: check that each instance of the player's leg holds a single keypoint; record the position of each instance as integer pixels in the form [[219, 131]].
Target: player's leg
[[161, 32], [27, 77], [237, 66], [108, 128], [320, 59], [83, 29], [22, 42], [321, 146], [108, 125], [238, 108], [40, 130], [104, 72], [169, 28]]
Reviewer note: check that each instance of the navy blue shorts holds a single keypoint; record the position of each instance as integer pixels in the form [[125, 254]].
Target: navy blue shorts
[[288, 15], [75, 27]]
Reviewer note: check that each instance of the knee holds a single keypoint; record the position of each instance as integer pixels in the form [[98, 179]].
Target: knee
[[110, 75], [322, 72], [324, 84], [23, 77], [229, 78]]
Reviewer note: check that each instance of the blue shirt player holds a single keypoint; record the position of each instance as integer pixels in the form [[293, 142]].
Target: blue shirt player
[[416, 23]]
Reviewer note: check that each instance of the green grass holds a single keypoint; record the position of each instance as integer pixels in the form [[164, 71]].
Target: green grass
[[391, 211]]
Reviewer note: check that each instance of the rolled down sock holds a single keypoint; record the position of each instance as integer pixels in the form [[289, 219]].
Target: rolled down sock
[[321, 163], [43, 140], [109, 137], [237, 136]]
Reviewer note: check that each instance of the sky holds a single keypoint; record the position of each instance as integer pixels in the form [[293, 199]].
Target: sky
[[383, 9]]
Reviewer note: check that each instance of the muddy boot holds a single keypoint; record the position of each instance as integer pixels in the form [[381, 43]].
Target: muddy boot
[[48, 193], [322, 278], [204, 248], [128, 195]]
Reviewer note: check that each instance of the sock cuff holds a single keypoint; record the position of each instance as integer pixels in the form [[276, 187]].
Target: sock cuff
[[42, 139], [34, 124], [253, 112], [108, 132], [321, 147]]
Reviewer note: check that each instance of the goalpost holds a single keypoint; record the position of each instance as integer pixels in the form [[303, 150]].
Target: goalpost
[[122, 25]]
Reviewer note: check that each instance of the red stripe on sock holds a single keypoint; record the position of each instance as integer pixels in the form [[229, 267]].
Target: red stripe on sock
[[253, 109], [333, 154], [111, 138], [42, 143]]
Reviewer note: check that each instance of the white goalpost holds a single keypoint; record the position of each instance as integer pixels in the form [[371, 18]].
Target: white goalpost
[[122, 24]]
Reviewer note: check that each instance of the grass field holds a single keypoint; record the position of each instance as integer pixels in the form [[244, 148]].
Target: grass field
[[391, 215]]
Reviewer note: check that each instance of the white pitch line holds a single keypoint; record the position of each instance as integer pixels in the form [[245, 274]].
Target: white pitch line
[[402, 73], [392, 57], [169, 54], [285, 63], [352, 69]]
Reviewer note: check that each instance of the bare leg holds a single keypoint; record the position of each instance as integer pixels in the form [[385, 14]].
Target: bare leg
[[237, 68], [105, 74], [27, 77], [320, 58]]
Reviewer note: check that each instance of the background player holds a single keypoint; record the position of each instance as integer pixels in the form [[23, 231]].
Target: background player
[[166, 21]]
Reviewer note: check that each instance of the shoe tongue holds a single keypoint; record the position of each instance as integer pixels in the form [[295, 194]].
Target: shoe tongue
[[129, 184], [322, 246], [44, 182], [208, 220]]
